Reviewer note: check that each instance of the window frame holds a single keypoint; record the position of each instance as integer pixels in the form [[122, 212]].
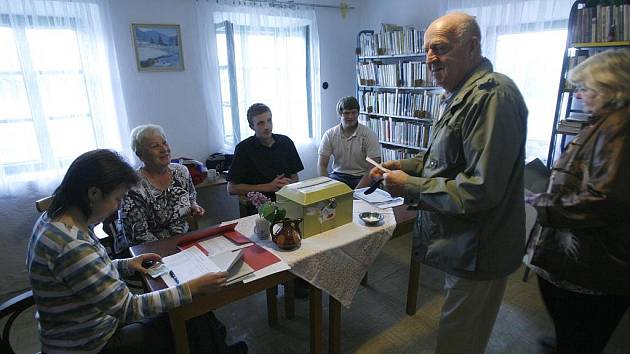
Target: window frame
[[232, 77], [47, 159]]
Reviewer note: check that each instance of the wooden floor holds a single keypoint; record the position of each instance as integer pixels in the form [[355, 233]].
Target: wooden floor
[[377, 323]]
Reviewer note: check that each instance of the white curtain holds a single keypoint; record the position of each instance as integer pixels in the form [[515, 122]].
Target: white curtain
[[525, 39], [59, 90], [270, 47]]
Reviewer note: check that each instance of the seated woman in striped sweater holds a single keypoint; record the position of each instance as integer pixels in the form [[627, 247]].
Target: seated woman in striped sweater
[[83, 306]]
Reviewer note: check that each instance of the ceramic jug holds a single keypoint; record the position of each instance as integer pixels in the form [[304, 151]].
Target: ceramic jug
[[288, 236]]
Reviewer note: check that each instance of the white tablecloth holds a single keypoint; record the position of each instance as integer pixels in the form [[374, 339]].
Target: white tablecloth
[[336, 260]]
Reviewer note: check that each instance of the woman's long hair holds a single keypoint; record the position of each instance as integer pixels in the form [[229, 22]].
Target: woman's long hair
[[101, 168]]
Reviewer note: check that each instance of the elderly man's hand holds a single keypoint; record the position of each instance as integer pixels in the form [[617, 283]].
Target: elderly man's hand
[[395, 182]]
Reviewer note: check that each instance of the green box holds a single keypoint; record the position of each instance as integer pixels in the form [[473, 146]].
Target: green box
[[322, 202]]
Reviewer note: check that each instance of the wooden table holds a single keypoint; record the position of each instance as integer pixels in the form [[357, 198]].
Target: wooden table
[[404, 224], [404, 220], [224, 296]]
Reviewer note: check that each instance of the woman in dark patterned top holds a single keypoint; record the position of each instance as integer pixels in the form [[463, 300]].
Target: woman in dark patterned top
[[158, 206]]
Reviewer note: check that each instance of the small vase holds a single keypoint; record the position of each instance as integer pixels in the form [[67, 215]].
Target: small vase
[[261, 228]]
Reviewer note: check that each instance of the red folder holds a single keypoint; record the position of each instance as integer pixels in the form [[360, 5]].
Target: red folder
[[254, 255]]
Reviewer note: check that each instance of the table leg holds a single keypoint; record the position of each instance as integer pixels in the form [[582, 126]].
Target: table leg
[[289, 299], [412, 287], [316, 319], [178, 326], [272, 306], [334, 325]]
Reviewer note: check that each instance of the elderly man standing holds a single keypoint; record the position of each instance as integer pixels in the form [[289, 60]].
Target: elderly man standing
[[468, 186]]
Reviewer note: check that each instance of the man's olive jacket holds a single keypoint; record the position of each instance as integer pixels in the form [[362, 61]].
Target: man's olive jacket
[[468, 185]]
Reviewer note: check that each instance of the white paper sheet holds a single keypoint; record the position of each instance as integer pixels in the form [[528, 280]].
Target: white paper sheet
[[220, 244], [187, 265]]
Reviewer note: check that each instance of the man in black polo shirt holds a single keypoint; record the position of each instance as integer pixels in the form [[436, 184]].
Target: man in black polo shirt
[[264, 162]]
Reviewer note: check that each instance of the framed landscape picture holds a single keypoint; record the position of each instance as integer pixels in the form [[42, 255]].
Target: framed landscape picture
[[158, 47]]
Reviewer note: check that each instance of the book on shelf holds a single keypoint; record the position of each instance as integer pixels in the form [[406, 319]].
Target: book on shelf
[[425, 104], [602, 23], [403, 74], [392, 40], [389, 153], [571, 126], [401, 132]]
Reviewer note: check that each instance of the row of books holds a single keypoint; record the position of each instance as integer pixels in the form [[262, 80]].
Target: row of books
[[396, 153], [602, 24], [392, 40], [569, 126], [424, 104], [403, 74], [401, 132], [574, 122]]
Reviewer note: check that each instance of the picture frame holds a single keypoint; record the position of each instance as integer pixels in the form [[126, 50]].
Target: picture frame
[[158, 47]]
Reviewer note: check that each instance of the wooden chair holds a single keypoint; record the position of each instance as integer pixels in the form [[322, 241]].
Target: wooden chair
[[42, 204], [10, 310]]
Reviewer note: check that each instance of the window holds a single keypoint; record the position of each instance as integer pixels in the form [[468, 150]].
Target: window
[[56, 89], [542, 50], [43, 97], [268, 64]]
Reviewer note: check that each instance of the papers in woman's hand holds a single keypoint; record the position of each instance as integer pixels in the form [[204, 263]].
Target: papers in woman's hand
[[379, 198]]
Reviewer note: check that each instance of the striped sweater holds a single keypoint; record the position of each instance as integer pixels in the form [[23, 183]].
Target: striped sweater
[[79, 293]]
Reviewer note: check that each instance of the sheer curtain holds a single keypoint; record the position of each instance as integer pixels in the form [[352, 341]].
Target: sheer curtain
[[525, 40], [59, 90], [276, 62]]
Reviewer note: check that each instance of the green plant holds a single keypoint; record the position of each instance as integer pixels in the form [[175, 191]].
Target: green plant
[[271, 212]]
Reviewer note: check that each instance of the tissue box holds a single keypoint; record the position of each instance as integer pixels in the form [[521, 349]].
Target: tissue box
[[322, 202]]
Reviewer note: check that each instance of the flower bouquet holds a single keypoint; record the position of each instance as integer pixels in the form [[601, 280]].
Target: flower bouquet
[[268, 211]]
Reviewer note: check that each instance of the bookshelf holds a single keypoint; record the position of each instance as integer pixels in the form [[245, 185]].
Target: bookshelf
[[594, 26], [397, 96]]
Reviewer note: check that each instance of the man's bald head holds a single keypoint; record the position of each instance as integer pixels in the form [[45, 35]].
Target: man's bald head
[[453, 48], [461, 24]]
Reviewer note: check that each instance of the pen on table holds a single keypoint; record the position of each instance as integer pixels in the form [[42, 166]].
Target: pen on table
[[172, 274]]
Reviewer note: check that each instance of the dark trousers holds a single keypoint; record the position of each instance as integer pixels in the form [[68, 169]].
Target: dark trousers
[[584, 323], [350, 180], [153, 336]]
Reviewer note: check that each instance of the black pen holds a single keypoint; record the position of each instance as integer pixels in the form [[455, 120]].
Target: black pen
[[172, 274]]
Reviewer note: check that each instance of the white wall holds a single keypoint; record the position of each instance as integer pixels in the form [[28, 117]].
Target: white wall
[[173, 100], [401, 12]]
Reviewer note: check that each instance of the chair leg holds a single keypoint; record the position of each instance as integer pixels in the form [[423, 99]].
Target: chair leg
[[289, 299], [272, 306], [412, 287]]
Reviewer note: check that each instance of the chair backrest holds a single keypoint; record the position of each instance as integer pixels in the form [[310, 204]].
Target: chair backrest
[[10, 310], [43, 204]]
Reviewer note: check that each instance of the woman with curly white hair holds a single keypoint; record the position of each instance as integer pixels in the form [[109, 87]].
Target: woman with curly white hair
[[580, 246]]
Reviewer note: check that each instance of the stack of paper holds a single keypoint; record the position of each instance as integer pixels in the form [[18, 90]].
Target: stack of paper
[[378, 198], [192, 263]]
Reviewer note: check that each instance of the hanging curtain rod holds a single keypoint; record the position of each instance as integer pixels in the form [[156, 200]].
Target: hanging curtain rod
[[289, 3]]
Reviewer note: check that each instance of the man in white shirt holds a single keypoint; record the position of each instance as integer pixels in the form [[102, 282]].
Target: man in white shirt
[[349, 143]]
